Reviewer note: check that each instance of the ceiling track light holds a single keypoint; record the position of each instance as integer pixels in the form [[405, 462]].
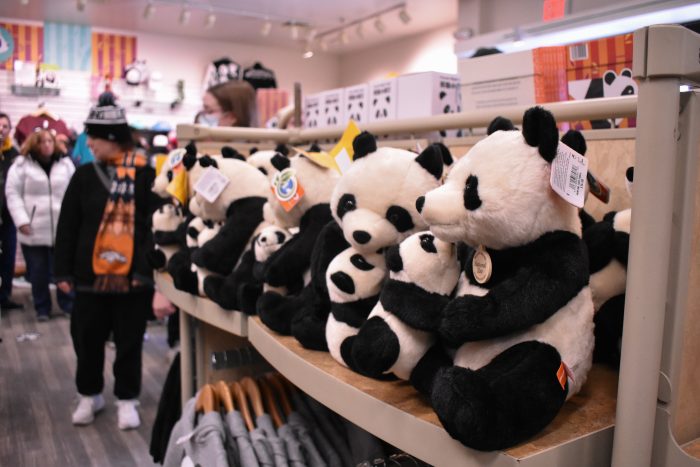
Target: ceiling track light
[[404, 16], [210, 20], [149, 11], [185, 16], [266, 28], [308, 51]]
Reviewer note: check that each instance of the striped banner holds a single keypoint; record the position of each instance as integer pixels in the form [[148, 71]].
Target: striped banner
[[111, 53], [67, 45], [29, 43]]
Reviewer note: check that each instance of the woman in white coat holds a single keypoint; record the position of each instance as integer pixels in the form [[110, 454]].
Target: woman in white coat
[[35, 187]]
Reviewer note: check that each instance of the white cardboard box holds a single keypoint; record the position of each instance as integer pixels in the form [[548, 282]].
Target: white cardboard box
[[312, 110], [383, 95], [429, 93], [497, 80], [332, 108], [357, 103]]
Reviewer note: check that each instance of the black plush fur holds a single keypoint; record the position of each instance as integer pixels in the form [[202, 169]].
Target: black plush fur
[[529, 284], [156, 259], [354, 313], [414, 306], [227, 152], [363, 144], [477, 407], [586, 219], [500, 123], [280, 162], [432, 160], [221, 253], [447, 158], [575, 140], [605, 244], [223, 290], [180, 269], [608, 332], [374, 349], [540, 131], [424, 374]]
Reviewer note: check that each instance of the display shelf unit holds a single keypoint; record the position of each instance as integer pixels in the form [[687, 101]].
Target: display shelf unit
[[396, 413]]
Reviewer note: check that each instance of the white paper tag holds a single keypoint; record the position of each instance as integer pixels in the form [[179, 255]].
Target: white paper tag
[[343, 160], [211, 184], [568, 176], [184, 438]]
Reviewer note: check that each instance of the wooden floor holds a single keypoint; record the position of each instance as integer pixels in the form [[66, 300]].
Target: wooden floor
[[37, 396]]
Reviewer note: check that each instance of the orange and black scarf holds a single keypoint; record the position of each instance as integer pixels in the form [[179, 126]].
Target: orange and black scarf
[[114, 244]]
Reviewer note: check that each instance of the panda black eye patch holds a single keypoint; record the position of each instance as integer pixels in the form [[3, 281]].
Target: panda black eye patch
[[400, 218], [360, 263], [263, 170], [346, 204], [427, 242], [471, 193], [170, 175]]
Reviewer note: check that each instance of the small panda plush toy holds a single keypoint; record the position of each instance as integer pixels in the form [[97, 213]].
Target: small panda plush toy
[[166, 221], [241, 289], [209, 230], [354, 281], [180, 265], [608, 245], [522, 320], [423, 273]]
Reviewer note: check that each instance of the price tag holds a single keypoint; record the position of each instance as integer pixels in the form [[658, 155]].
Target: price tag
[[568, 175], [211, 184], [287, 189]]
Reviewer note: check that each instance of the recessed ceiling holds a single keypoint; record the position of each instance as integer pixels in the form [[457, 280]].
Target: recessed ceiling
[[242, 20]]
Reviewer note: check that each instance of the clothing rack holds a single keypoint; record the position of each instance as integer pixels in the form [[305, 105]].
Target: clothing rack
[[657, 418]]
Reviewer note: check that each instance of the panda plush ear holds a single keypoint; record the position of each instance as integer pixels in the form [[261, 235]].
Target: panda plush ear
[[431, 159], [252, 151], [229, 153], [282, 149], [575, 140], [500, 123], [540, 131], [393, 259], [208, 161], [280, 162], [363, 144], [190, 157], [314, 148], [445, 153]]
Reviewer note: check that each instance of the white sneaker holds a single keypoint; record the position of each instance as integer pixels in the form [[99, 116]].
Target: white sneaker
[[127, 415], [88, 406]]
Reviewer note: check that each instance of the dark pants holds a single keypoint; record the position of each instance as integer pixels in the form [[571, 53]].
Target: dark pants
[[94, 317], [8, 243], [39, 260]]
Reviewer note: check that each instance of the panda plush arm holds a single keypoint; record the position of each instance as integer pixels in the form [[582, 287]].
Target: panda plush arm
[[221, 253], [288, 264], [165, 238], [549, 275], [604, 243]]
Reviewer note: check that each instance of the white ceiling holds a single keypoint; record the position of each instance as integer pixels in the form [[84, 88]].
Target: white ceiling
[[242, 20]]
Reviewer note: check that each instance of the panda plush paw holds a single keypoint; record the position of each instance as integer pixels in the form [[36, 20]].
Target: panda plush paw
[[247, 296], [156, 259], [464, 319], [378, 350], [608, 332]]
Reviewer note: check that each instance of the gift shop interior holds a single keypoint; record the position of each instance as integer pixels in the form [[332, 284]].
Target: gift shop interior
[[372, 233]]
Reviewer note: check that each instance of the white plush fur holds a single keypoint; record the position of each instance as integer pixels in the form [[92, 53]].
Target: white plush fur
[[198, 224], [267, 242], [518, 204], [569, 330], [379, 180], [367, 284], [318, 183], [437, 273]]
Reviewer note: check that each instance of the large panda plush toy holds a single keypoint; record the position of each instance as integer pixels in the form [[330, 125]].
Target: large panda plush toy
[[522, 320], [402, 327], [608, 247]]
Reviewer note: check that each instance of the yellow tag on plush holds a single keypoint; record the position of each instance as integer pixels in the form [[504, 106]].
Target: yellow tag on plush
[[178, 187], [160, 160], [340, 157], [319, 158]]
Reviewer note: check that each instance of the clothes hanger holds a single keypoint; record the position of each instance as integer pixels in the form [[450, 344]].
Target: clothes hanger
[[253, 392], [275, 380], [224, 394], [270, 402], [242, 402], [207, 400]]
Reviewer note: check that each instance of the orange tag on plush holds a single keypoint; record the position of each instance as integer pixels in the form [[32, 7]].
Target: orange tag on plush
[[287, 189], [561, 375]]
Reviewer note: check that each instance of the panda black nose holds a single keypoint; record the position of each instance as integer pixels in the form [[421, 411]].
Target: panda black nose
[[263, 239], [419, 203], [361, 237], [344, 282]]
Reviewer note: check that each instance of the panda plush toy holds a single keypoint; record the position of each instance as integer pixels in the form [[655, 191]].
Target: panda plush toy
[[180, 265], [262, 160], [209, 230], [354, 281], [402, 327], [166, 221], [522, 318], [373, 205], [241, 289], [608, 245]]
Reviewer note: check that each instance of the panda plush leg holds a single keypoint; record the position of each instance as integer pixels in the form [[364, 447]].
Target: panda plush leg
[[608, 331], [375, 348], [180, 269], [503, 403], [247, 295], [424, 374], [308, 324], [221, 292], [277, 311]]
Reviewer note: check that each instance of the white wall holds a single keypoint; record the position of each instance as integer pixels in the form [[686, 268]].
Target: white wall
[[429, 51]]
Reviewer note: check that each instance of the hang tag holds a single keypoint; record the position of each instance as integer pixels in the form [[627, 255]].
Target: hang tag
[[481, 265], [211, 184], [343, 160], [568, 174], [598, 188], [287, 189], [563, 373]]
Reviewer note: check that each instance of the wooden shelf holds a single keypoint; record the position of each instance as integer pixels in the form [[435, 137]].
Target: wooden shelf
[[693, 448], [581, 435], [202, 308]]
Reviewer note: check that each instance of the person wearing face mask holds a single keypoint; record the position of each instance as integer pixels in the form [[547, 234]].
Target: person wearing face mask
[[8, 232], [35, 187], [229, 104]]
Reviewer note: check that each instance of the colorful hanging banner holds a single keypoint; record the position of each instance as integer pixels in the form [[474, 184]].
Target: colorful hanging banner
[[111, 53], [68, 46], [28, 43]]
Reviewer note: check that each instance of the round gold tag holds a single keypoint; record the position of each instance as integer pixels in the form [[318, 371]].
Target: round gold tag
[[481, 265]]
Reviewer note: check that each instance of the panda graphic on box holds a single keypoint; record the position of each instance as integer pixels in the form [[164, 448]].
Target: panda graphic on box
[[610, 85]]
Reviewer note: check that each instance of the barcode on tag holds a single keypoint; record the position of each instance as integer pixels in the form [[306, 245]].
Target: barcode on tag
[[211, 184], [578, 52], [568, 175]]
